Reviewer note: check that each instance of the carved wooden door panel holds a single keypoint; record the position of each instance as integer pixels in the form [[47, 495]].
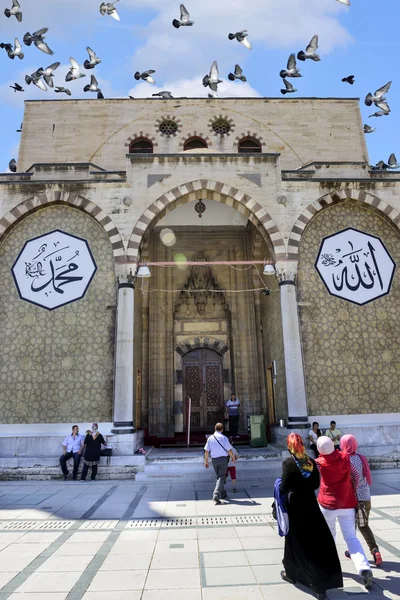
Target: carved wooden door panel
[[202, 381]]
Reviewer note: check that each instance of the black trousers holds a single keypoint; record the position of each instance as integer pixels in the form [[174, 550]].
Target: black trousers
[[233, 425], [63, 462], [85, 471], [314, 447]]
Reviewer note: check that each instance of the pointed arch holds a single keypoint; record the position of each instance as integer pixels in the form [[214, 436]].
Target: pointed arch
[[364, 198], [48, 197], [207, 190]]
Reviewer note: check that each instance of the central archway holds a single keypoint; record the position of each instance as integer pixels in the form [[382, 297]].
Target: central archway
[[207, 190]]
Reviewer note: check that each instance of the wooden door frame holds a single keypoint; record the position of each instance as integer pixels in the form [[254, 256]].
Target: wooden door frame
[[203, 374]]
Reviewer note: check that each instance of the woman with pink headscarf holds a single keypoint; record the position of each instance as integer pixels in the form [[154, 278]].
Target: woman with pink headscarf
[[361, 478]]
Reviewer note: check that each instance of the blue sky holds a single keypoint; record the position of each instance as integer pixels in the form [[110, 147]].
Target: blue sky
[[361, 40]]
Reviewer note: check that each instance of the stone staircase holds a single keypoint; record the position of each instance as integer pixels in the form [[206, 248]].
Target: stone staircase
[[174, 465]]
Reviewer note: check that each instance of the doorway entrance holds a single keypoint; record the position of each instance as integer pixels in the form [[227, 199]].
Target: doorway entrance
[[203, 383]]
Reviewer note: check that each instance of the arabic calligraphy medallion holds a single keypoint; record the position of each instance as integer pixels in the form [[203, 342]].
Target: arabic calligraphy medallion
[[355, 266], [54, 269]]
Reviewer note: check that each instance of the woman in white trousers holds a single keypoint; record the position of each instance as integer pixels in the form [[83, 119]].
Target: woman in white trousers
[[338, 502]]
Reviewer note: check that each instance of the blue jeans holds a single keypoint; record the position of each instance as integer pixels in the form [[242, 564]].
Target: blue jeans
[[63, 463]]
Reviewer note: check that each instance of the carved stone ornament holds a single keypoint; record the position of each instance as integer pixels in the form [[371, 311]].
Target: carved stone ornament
[[54, 269], [200, 278]]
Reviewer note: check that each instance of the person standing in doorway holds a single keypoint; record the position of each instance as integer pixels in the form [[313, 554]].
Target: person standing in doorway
[[334, 434], [72, 448], [219, 450], [233, 412], [93, 442]]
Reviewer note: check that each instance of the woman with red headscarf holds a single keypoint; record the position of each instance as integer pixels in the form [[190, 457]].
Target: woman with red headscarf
[[313, 563], [361, 478]]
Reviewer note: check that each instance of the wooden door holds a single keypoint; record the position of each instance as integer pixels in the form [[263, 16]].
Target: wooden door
[[202, 381]]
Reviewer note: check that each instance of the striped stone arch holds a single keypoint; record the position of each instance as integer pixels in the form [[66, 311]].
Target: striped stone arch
[[334, 198], [204, 189], [209, 342], [57, 197]]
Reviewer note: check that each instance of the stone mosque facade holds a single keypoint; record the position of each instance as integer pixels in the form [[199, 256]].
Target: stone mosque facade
[[229, 186]]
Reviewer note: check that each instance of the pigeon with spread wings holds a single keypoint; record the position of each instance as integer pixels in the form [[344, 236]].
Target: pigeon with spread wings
[[146, 76], [93, 59], [75, 71], [212, 79], [109, 9], [289, 88], [291, 70], [38, 39], [378, 96], [14, 11], [184, 21], [311, 51], [238, 74], [242, 37], [13, 52]]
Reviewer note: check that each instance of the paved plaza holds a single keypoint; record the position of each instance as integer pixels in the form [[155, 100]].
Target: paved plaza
[[120, 540]]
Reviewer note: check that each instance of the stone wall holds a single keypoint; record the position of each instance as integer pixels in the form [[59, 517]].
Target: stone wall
[[99, 132], [57, 366], [351, 352]]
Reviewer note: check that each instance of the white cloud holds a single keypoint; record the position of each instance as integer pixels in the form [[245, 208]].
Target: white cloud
[[193, 88]]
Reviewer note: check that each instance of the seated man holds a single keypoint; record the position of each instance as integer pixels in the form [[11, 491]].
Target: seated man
[[72, 448], [334, 434]]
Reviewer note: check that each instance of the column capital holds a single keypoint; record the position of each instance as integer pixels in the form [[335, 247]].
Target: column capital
[[126, 281], [286, 271]]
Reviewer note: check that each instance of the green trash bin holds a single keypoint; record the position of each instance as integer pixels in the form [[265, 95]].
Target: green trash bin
[[258, 434]]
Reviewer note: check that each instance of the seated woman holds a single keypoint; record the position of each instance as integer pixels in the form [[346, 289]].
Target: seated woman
[[307, 560], [313, 436]]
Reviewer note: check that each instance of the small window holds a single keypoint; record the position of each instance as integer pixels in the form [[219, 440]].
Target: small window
[[221, 127], [249, 146], [168, 127], [194, 143], [141, 146]]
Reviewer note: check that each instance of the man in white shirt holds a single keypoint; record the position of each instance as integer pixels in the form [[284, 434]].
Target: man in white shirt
[[219, 449], [72, 448], [232, 411], [334, 434]]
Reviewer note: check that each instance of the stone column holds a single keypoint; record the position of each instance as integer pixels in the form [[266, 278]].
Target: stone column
[[124, 380], [295, 382]]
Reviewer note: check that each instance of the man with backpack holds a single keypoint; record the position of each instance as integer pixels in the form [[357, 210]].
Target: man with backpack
[[219, 450]]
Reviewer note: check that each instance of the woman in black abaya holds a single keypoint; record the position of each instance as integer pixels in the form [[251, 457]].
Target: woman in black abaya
[[312, 563]]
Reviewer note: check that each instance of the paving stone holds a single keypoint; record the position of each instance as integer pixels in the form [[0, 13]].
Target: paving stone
[[119, 581], [119, 562], [245, 592], [224, 559], [50, 582], [168, 579]]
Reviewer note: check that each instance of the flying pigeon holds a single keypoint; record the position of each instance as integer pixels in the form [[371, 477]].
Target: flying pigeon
[[380, 166], [12, 165], [146, 76], [369, 129], [35, 78], [13, 52], [74, 72], [20, 128], [310, 50], [238, 74], [93, 86], [289, 88], [212, 95], [48, 74], [212, 80], [349, 79], [109, 9], [38, 39], [241, 36], [17, 88], [345, 2], [15, 11], [378, 96], [94, 60], [292, 70], [379, 113], [60, 90], [100, 95], [392, 162], [165, 95], [184, 20]]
